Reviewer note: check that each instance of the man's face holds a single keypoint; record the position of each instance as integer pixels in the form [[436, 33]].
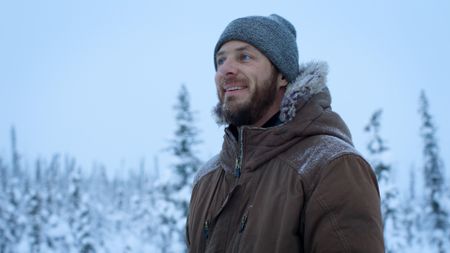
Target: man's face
[[247, 84]]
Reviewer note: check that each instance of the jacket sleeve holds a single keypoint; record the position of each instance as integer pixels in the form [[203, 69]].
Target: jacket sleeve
[[343, 210]]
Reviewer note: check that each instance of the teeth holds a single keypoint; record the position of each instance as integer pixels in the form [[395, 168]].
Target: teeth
[[233, 88]]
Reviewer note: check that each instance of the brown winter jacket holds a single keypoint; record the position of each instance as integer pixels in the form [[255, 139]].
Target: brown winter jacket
[[296, 187]]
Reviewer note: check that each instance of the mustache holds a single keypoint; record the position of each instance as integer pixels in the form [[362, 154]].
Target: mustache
[[227, 80]]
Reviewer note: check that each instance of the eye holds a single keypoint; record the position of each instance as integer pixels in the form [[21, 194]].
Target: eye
[[245, 57], [220, 61]]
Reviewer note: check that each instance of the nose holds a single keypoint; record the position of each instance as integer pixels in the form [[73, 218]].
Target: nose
[[228, 67]]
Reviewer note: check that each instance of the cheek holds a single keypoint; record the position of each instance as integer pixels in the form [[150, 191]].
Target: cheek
[[218, 88], [216, 78]]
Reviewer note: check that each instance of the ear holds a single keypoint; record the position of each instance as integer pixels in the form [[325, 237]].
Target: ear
[[281, 81]]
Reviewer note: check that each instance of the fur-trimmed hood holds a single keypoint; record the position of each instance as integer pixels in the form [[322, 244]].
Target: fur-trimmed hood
[[311, 80]]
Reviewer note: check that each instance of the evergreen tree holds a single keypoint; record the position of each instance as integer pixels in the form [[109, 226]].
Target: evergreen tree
[[411, 212], [3, 227], [143, 203], [436, 216], [3, 203], [50, 184], [183, 147], [15, 154], [84, 235], [176, 192], [34, 212], [3, 176], [98, 189], [35, 230], [80, 219], [390, 208], [377, 147], [11, 226]]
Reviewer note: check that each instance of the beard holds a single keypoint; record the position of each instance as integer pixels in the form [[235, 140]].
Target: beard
[[252, 109]]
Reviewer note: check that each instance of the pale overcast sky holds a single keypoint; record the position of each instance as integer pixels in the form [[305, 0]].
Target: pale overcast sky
[[98, 79]]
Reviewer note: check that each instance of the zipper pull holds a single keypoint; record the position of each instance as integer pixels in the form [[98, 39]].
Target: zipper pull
[[243, 223], [237, 169], [205, 229]]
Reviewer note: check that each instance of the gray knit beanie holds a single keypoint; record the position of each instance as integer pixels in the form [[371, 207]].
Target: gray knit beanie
[[274, 36]]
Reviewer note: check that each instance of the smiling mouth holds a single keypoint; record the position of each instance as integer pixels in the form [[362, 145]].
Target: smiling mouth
[[234, 90], [233, 85], [228, 89]]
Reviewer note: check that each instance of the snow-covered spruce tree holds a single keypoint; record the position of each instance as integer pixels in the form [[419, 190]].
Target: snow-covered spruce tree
[[3, 202], [57, 233], [50, 183], [38, 213], [80, 220], [377, 147], [35, 232], [411, 211], [394, 236], [34, 207], [436, 218], [3, 176], [3, 228], [15, 154], [12, 224], [144, 219], [100, 194], [177, 190], [183, 148]]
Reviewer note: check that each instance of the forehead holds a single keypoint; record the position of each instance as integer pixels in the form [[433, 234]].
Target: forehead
[[235, 45]]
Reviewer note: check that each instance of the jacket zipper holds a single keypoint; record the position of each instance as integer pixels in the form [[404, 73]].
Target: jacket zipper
[[237, 173], [237, 169]]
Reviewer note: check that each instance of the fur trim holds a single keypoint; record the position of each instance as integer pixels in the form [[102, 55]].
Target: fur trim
[[218, 115], [311, 80]]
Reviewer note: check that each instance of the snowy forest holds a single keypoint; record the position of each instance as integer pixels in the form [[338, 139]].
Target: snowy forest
[[54, 205]]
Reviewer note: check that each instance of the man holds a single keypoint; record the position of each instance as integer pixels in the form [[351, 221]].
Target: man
[[288, 178]]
